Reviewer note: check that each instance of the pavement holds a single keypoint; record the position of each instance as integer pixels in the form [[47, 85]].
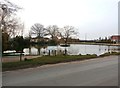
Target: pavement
[[95, 72]]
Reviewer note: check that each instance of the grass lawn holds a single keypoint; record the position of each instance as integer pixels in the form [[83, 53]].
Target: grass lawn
[[49, 60], [43, 60]]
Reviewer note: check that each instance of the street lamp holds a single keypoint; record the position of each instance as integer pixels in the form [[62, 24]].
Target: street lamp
[[3, 10]]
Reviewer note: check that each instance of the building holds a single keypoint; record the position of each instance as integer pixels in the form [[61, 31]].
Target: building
[[115, 38], [39, 39]]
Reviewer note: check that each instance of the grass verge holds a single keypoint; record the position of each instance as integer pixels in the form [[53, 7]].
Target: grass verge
[[27, 63], [44, 60], [109, 53]]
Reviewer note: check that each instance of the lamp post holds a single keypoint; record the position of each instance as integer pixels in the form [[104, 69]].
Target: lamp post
[[0, 35], [3, 11]]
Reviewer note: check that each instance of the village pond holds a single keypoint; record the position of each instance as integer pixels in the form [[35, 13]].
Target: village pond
[[73, 49]]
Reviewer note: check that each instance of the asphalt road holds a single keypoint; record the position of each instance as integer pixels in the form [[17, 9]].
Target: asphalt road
[[95, 72]]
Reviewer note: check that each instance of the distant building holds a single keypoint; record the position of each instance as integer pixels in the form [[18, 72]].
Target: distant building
[[115, 38], [70, 40], [39, 39]]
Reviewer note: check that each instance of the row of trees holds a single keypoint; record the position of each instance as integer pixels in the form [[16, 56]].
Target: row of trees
[[12, 28], [53, 31]]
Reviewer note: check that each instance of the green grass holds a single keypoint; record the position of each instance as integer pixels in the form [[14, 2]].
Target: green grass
[[43, 60], [49, 60], [108, 54]]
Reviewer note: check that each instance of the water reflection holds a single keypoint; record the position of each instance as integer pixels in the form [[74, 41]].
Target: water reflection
[[74, 49]]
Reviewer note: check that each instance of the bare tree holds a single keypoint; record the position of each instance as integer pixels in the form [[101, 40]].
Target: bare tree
[[13, 27], [8, 23], [38, 30], [67, 32], [53, 31]]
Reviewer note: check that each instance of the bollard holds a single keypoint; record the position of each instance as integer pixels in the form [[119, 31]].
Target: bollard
[[65, 52], [49, 53], [20, 56], [55, 52]]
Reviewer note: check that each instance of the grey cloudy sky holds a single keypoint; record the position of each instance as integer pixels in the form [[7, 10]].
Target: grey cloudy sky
[[93, 18]]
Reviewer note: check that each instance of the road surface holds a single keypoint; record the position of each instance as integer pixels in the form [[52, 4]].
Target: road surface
[[95, 72]]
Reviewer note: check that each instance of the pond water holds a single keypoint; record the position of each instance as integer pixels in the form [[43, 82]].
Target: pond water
[[74, 49]]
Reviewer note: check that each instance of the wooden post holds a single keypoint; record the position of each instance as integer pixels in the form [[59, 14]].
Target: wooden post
[[55, 52], [49, 53], [65, 51], [21, 56]]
